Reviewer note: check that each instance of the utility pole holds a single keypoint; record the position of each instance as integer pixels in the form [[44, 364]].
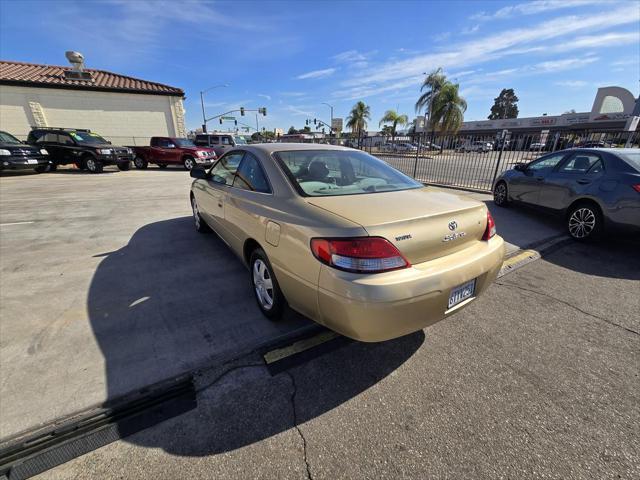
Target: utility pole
[[331, 107]]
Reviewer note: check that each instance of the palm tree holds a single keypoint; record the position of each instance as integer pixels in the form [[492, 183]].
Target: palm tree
[[357, 119], [395, 119], [432, 84], [447, 108]]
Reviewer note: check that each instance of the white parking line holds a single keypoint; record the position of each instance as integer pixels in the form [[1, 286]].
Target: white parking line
[[14, 223]]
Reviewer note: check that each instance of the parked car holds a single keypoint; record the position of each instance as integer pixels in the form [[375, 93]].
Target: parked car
[[16, 155], [85, 149], [220, 142], [164, 151], [593, 189], [405, 147], [431, 146], [537, 147], [477, 146], [345, 239], [596, 144]]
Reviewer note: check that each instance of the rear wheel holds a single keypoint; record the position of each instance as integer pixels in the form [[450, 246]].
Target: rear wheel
[[124, 166], [41, 168], [265, 286], [584, 221], [93, 165], [53, 167], [189, 163], [501, 195], [140, 163]]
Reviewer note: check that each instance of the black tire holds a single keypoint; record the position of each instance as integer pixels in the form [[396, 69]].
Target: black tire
[[162, 165], [140, 163], [93, 164], [263, 280], [124, 166], [501, 194], [52, 167], [584, 221], [189, 163], [41, 168], [201, 225]]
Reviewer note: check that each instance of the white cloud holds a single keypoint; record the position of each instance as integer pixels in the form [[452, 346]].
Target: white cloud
[[299, 111], [268, 97], [441, 37], [349, 56], [317, 74], [470, 30], [532, 8], [499, 45], [572, 83]]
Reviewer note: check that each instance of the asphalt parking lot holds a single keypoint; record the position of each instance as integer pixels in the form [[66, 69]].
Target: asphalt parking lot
[[106, 287]]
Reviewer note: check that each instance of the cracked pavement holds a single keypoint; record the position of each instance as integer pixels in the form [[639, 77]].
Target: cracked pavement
[[536, 379]]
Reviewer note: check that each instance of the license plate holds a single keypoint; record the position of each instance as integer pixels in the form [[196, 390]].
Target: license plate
[[461, 293], [32, 162]]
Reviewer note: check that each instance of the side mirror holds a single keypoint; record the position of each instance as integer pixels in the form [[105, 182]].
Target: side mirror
[[171, 145], [521, 167], [199, 172]]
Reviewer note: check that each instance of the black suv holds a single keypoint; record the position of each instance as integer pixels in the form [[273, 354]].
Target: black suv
[[85, 149], [15, 155]]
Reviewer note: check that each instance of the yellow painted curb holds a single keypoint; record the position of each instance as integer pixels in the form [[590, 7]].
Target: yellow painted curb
[[299, 346]]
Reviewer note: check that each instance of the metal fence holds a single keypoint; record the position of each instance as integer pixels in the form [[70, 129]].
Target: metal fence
[[474, 161]]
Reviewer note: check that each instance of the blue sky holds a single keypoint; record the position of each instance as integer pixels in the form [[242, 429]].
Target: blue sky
[[292, 56]]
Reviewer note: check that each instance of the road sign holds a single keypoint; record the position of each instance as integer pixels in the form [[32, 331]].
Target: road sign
[[228, 118], [336, 124]]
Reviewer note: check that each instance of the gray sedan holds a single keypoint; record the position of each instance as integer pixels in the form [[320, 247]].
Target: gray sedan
[[593, 189]]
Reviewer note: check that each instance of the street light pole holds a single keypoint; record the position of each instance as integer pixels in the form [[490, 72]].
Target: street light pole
[[204, 116], [331, 107]]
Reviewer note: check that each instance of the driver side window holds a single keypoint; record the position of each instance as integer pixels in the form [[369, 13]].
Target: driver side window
[[225, 169], [546, 163]]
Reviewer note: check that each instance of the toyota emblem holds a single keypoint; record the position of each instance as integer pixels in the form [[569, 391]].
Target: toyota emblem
[[453, 225]]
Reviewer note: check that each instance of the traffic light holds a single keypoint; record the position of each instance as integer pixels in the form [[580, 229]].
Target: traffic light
[[306, 122], [315, 121], [220, 120], [263, 111], [242, 111], [236, 122]]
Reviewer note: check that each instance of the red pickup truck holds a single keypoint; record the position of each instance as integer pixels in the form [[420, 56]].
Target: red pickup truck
[[164, 151]]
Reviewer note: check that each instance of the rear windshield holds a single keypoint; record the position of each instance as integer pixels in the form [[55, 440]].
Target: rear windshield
[[632, 157], [324, 173]]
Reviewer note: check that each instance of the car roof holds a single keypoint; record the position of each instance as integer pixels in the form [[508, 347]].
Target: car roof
[[607, 150], [269, 148]]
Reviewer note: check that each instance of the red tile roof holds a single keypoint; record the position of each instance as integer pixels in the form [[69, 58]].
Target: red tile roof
[[52, 76]]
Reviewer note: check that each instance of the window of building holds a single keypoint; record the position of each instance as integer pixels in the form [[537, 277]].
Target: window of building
[[611, 104]]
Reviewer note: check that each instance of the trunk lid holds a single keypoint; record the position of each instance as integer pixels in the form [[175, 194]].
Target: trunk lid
[[422, 223]]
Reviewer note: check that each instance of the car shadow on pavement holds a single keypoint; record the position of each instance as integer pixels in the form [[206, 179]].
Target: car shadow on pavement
[[170, 301], [248, 405]]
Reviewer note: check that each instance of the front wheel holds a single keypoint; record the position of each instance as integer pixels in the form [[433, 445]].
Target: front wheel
[[41, 168], [189, 163], [265, 286], [584, 222], [93, 165], [140, 163], [124, 166], [201, 225], [500, 195]]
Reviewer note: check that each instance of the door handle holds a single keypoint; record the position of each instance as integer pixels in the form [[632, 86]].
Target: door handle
[[584, 181], [220, 204]]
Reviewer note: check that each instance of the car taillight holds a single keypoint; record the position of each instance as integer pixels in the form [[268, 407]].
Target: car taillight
[[360, 255], [490, 231], [636, 187]]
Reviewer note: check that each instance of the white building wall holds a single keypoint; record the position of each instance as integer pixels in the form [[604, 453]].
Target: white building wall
[[123, 118]]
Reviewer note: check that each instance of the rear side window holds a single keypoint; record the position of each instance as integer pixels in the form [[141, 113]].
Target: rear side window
[[226, 141], [48, 137], [250, 175], [581, 163]]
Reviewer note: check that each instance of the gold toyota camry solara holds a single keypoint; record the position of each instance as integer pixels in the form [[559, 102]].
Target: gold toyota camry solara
[[345, 239]]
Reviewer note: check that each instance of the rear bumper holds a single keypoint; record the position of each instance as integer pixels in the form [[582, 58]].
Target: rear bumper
[[380, 307]]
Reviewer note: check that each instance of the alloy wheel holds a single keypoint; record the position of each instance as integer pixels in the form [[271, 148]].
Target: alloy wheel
[[188, 163], [582, 222], [138, 162], [500, 194], [196, 213], [263, 284]]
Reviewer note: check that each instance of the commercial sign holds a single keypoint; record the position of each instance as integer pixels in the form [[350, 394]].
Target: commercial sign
[[336, 124]]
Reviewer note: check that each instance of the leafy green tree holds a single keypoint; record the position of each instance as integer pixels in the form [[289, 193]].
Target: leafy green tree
[[431, 85], [386, 131], [357, 119], [504, 105], [292, 131], [447, 108], [395, 119]]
